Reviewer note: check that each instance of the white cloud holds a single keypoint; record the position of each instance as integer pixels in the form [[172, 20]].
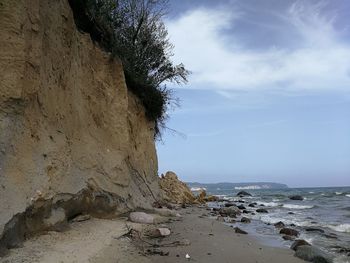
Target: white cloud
[[320, 62]]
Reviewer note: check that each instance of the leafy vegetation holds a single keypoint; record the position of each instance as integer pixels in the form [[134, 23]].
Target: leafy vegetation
[[133, 30]]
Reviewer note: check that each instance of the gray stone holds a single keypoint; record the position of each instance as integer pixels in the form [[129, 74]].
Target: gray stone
[[279, 224], [243, 193], [141, 217], [313, 254], [230, 211], [299, 242], [245, 220], [240, 231], [289, 232]]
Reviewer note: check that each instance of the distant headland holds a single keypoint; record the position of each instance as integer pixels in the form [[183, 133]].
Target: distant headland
[[195, 186]]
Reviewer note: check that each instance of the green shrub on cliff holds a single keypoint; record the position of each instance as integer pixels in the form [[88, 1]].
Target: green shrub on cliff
[[133, 30]]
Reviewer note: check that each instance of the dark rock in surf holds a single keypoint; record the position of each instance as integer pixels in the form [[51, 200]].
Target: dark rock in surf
[[289, 232], [245, 220], [331, 235], [261, 210], [246, 212], [240, 231], [251, 205], [288, 238], [241, 207], [299, 242], [296, 197], [229, 204], [243, 193], [279, 224], [241, 201], [312, 254], [229, 211], [314, 229]]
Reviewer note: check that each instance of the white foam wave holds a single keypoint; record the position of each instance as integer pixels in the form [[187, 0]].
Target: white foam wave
[[221, 196], [338, 193], [311, 192], [340, 228], [291, 206], [347, 195], [270, 204], [272, 220]]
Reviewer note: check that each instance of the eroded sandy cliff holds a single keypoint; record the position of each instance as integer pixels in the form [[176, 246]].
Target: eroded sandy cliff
[[72, 138]]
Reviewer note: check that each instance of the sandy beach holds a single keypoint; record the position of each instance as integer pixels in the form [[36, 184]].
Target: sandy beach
[[97, 240]]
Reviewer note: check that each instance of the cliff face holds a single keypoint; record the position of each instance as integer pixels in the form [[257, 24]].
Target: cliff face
[[72, 138]]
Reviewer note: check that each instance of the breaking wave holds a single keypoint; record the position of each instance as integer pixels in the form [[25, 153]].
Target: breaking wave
[[291, 206], [269, 204], [345, 228]]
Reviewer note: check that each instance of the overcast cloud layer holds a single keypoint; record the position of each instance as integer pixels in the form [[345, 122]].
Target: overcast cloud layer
[[212, 43]]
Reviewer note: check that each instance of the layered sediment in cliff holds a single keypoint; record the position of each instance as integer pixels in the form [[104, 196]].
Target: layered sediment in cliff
[[73, 139]]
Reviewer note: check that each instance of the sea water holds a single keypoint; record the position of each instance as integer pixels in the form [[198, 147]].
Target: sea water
[[326, 209]]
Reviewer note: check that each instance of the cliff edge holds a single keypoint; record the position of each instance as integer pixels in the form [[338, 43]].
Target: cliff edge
[[73, 139]]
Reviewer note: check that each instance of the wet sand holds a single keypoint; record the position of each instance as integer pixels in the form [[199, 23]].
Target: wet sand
[[212, 241]]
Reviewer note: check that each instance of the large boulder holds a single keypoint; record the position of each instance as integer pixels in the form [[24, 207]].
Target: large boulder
[[299, 242], [312, 254], [175, 190], [231, 211]]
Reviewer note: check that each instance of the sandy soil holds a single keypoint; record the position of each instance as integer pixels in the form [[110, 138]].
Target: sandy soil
[[95, 241], [98, 241]]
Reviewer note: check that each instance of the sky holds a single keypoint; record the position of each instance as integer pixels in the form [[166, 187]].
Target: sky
[[268, 98]]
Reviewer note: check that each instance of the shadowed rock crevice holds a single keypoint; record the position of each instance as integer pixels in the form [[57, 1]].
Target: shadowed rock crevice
[[55, 213]]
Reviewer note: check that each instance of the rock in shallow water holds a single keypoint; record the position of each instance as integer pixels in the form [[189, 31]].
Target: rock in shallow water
[[243, 193], [229, 211], [299, 242], [314, 229], [288, 237], [312, 254], [296, 197], [245, 220], [289, 232], [262, 210], [279, 224], [240, 231]]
